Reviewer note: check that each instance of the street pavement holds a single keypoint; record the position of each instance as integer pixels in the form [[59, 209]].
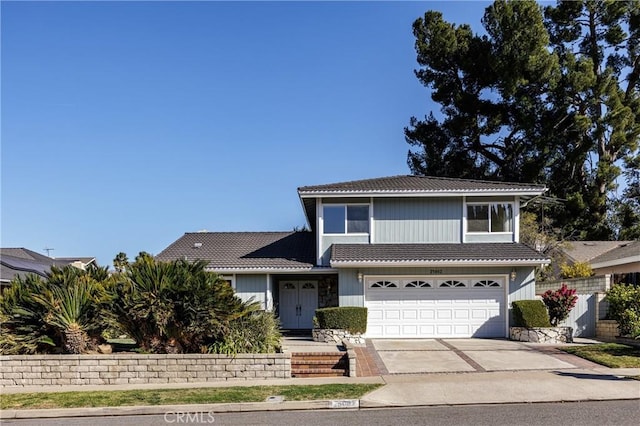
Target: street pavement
[[589, 413]]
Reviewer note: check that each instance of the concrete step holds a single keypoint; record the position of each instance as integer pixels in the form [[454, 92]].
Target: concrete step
[[342, 363], [318, 372]]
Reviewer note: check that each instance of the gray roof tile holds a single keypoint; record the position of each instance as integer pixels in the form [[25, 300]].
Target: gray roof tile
[[467, 252], [622, 251], [411, 183], [245, 250], [584, 251]]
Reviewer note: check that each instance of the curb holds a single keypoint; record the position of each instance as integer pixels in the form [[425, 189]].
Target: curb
[[205, 409]]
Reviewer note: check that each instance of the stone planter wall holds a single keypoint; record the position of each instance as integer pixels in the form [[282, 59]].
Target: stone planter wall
[[117, 369], [331, 335], [542, 335], [607, 330]]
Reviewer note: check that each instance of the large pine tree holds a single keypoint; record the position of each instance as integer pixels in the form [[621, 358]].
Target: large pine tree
[[545, 96]]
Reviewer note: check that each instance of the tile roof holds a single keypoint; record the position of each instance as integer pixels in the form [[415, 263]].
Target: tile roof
[[245, 250], [13, 266], [622, 251], [585, 251], [411, 183], [23, 253], [21, 261], [488, 253]]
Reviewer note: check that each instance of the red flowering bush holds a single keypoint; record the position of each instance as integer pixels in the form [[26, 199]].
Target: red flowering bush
[[559, 303]]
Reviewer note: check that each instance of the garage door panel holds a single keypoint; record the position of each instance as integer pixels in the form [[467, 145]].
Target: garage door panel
[[436, 312], [461, 314], [376, 314], [392, 314], [410, 314], [427, 314], [410, 330]]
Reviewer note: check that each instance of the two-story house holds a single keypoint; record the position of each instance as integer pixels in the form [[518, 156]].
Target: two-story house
[[429, 257]]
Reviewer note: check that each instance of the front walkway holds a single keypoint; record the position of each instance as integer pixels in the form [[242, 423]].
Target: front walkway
[[303, 343]]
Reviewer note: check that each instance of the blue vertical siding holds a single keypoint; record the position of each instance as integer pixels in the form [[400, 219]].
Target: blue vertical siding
[[350, 291], [426, 220], [252, 285]]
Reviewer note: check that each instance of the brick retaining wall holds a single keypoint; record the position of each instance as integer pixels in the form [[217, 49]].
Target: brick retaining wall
[[115, 369]]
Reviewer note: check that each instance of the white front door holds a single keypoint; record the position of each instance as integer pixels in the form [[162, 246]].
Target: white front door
[[298, 303]]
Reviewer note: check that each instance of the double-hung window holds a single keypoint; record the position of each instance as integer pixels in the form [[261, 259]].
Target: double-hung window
[[346, 219], [491, 217]]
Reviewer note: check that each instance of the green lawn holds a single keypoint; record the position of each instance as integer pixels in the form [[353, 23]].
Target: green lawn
[[612, 355], [183, 396]]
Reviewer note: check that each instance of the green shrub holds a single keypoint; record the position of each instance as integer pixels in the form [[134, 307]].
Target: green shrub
[[255, 333], [63, 313], [530, 314], [624, 307], [559, 303], [350, 318], [175, 307]]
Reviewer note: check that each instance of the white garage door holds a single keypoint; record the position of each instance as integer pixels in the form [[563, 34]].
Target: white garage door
[[430, 307]]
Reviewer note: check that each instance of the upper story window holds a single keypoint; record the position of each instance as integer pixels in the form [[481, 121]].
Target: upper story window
[[491, 217], [346, 219]]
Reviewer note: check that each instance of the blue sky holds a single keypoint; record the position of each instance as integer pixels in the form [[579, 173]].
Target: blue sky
[[126, 124]]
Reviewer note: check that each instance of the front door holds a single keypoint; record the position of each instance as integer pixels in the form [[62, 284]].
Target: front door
[[298, 303]]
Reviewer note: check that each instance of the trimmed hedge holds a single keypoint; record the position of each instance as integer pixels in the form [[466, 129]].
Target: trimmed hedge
[[530, 314], [350, 318]]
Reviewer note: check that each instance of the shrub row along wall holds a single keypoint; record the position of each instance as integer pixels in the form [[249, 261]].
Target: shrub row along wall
[[33, 370]]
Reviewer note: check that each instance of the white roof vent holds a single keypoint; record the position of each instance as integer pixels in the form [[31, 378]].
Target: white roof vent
[[197, 245]]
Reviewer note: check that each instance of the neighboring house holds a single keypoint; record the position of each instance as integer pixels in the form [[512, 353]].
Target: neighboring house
[[429, 257], [21, 261], [618, 258]]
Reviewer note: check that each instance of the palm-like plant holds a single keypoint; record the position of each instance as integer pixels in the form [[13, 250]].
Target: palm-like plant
[[66, 311], [175, 306], [21, 327]]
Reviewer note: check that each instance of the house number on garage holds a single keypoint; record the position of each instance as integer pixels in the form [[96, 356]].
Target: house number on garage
[[435, 271]]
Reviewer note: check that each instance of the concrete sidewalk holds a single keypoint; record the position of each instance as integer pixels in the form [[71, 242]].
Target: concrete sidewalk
[[400, 390], [504, 387]]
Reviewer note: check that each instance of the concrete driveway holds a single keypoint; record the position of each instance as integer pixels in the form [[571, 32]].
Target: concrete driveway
[[406, 356]]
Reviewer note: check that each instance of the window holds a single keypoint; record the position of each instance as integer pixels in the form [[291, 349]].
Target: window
[[384, 284], [452, 283], [486, 283], [418, 284], [496, 217], [349, 219]]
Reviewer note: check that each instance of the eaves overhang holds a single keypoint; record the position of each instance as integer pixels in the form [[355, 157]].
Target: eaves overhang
[[270, 270], [616, 262], [410, 193], [438, 263]]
